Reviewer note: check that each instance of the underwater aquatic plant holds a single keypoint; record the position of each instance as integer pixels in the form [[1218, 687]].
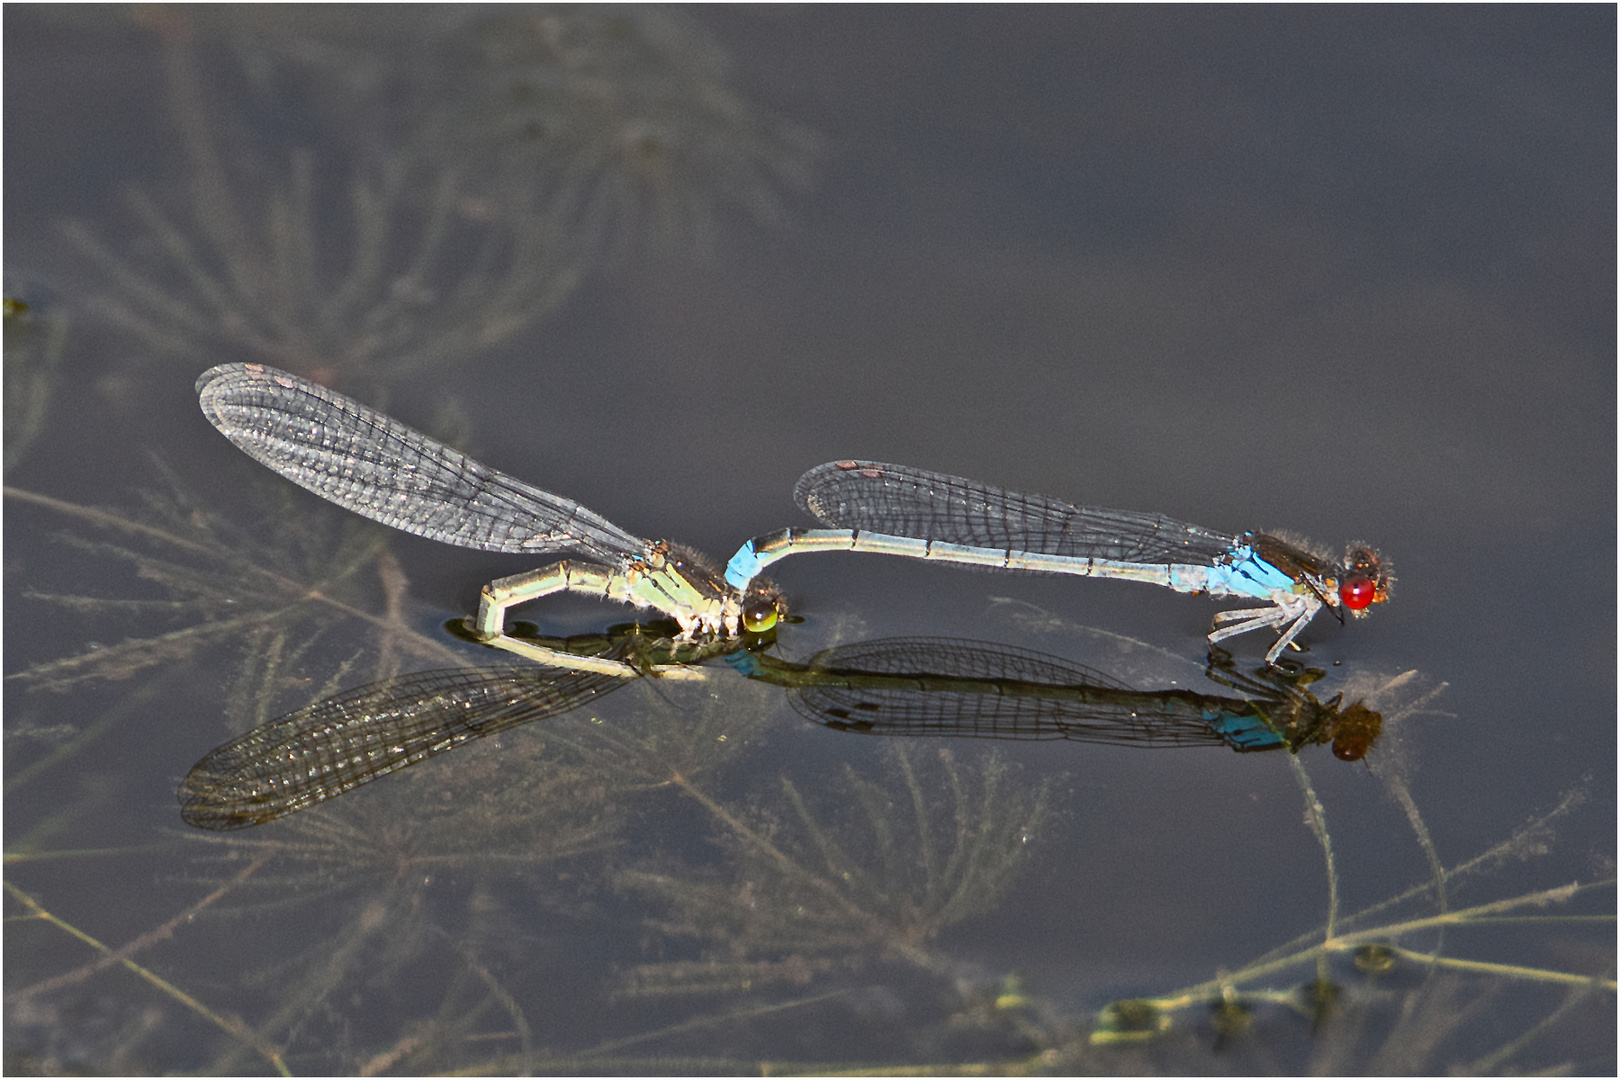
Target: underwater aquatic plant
[[625, 116], [199, 579], [876, 868], [517, 151], [409, 275], [34, 343]]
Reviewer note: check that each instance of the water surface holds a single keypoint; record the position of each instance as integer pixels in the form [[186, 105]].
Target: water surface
[[1348, 273]]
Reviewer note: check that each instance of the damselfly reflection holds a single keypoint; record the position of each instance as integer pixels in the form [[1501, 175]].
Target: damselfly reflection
[[899, 686], [951, 687], [334, 745]]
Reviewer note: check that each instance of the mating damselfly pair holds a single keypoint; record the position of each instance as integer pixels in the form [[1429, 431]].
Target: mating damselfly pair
[[366, 462]]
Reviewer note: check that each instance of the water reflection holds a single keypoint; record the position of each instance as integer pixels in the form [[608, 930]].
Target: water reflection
[[953, 688], [337, 744], [941, 687]]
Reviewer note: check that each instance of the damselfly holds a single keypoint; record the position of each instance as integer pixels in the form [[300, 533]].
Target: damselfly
[[897, 510], [364, 461]]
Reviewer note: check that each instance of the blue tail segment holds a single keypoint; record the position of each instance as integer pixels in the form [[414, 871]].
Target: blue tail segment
[[1245, 731], [743, 567]]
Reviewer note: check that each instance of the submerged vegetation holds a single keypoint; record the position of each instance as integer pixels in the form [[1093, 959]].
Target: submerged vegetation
[[875, 871], [34, 343], [503, 155]]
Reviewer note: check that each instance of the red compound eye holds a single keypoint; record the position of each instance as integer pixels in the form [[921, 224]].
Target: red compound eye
[[1358, 592]]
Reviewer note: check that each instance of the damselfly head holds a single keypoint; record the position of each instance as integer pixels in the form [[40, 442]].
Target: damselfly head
[[763, 606], [1366, 580]]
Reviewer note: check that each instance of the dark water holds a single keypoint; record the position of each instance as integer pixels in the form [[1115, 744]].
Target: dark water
[[1345, 272]]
